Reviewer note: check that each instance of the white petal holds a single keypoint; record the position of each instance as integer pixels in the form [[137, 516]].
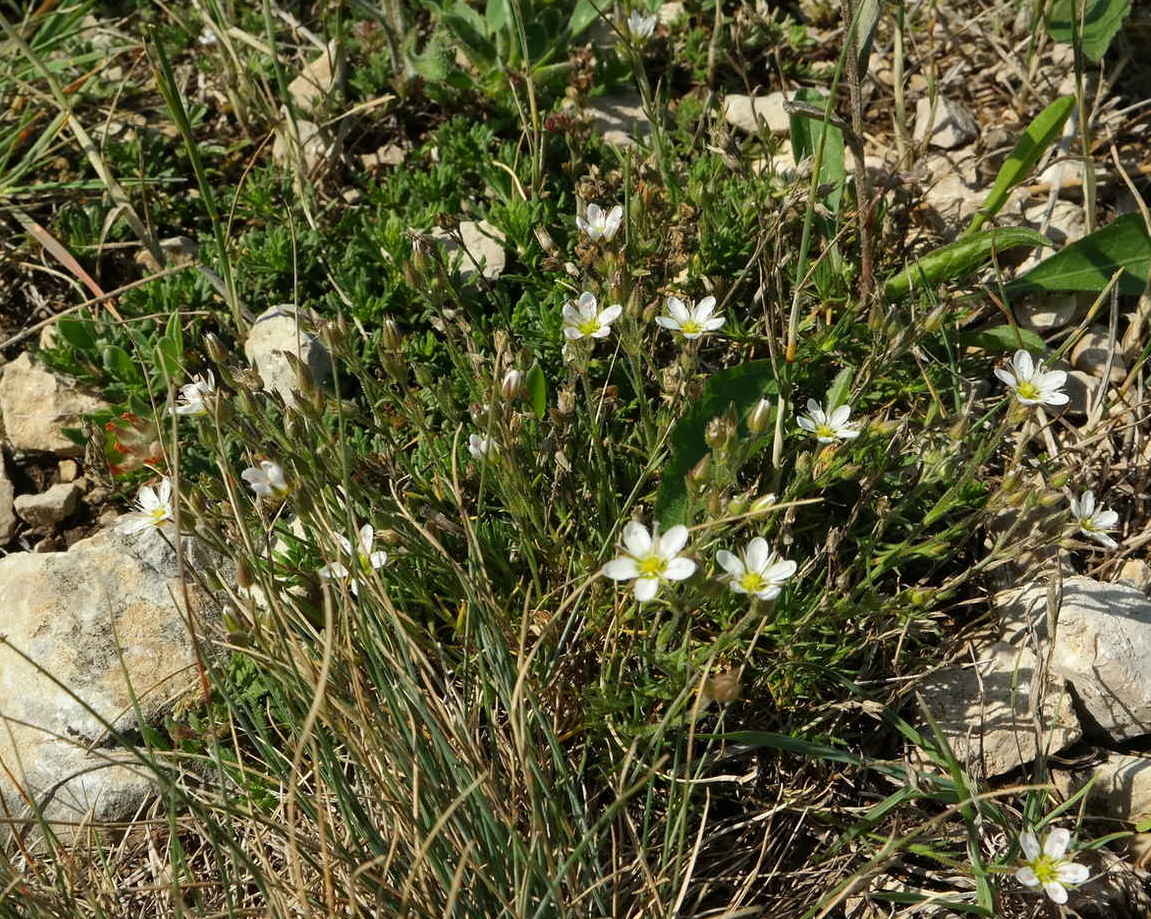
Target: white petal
[[636, 539], [806, 423], [1056, 842], [757, 554], [572, 333], [1029, 842], [602, 332], [614, 218], [1087, 504], [133, 523], [815, 409], [1106, 519], [729, 562], [645, 588], [839, 417], [587, 304], [848, 433], [333, 570], [770, 593], [623, 568], [1006, 377], [677, 310], [367, 536], [1103, 539], [1052, 379], [378, 559], [667, 322], [1026, 875], [679, 569], [610, 314], [671, 542], [571, 314], [1055, 398], [1072, 873], [595, 215], [344, 544], [1024, 364], [1056, 891], [704, 308], [781, 570], [715, 322], [146, 498], [165, 491], [583, 225], [1076, 508]]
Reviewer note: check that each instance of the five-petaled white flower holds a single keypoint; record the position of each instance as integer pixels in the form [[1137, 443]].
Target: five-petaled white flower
[[600, 224], [1094, 521], [267, 479], [584, 319], [828, 428], [639, 26], [650, 559], [153, 507], [190, 400], [690, 321], [481, 447], [1032, 383], [363, 559], [1047, 867], [757, 570]]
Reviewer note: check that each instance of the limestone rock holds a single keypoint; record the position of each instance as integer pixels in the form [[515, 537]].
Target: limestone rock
[[48, 508], [1045, 313], [620, 118], [7, 511], [103, 620], [482, 246], [1121, 788], [280, 331], [948, 126], [306, 144], [1091, 355], [1080, 388], [1137, 573], [984, 710], [36, 406], [1102, 647], [313, 84], [750, 113]]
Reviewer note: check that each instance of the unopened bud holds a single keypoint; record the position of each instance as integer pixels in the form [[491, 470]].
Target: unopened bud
[[512, 386], [216, 350], [701, 470], [244, 577], [736, 506], [759, 419], [565, 401], [390, 336], [720, 432], [762, 504]]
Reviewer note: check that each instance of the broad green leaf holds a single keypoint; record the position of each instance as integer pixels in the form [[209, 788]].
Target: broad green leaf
[[584, 14], [864, 32], [1040, 134], [1101, 19], [536, 385], [1002, 338], [960, 258], [1088, 263], [742, 386], [497, 15], [468, 28], [120, 365], [77, 332], [839, 389], [170, 349], [805, 133]]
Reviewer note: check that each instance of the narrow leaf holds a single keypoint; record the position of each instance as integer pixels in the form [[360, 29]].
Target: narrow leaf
[[1040, 134], [1101, 20], [1089, 263], [537, 388], [960, 258], [839, 389]]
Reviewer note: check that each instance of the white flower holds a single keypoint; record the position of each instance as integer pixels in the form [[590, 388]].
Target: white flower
[[190, 400], [827, 428], [600, 224], [266, 480], [1094, 521], [650, 559], [640, 27], [363, 559], [690, 322], [481, 447], [584, 319], [1031, 383], [512, 385], [153, 507], [1047, 866], [758, 571]]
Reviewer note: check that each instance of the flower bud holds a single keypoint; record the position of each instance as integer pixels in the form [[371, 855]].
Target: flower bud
[[390, 337], [244, 576], [512, 386], [565, 401], [762, 504], [737, 505], [701, 470], [720, 432], [216, 350], [759, 419]]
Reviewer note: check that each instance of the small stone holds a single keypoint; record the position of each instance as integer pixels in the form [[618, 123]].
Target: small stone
[[1120, 789], [950, 125], [67, 470], [1137, 573], [1102, 647], [482, 246], [1045, 313], [45, 510], [315, 144], [315, 81], [985, 713], [1092, 354], [36, 406], [7, 511], [352, 195], [1080, 388], [671, 13], [620, 119], [1065, 224], [751, 113], [280, 331]]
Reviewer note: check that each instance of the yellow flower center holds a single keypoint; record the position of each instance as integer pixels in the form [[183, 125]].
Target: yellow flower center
[[1027, 390], [159, 514], [752, 581], [651, 567], [691, 327], [825, 430], [1046, 868], [588, 327]]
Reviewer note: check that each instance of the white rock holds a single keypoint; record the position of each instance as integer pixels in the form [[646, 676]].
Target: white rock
[[1044, 313], [751, 113], [1136, 573], [1065, 224], [482, 246], [36, 406], [7, 511], [671, 13], [984, 710], [1102, 647], [103, 620], [312, 144], [620, 119], [1090, 355], [1080, 388], [1121, 787], [279, 331], [950, 125], [315, 81], [50, 507]]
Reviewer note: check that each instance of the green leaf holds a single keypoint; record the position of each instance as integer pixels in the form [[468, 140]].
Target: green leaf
[[839, 389], [468, 29], [170, 349], [805, 132], [78, 333], [536, 385], [960, 258], [1088, 263], [1101, 20], [1002, 338], [76, 435], [584, 14], [120, 365], [1040, 134], [864, 32], [742, 386], [497, 15]]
